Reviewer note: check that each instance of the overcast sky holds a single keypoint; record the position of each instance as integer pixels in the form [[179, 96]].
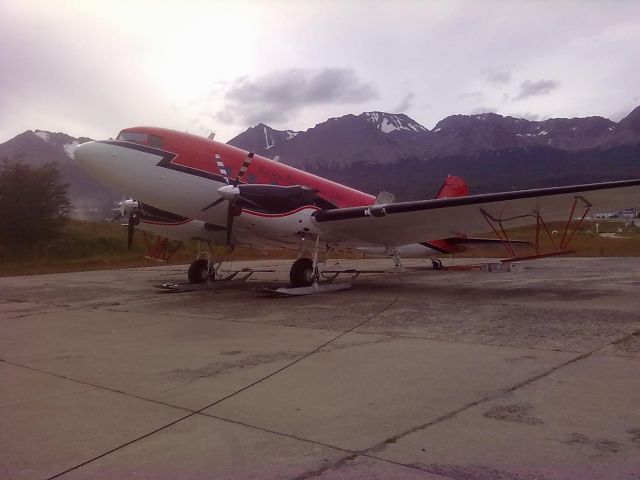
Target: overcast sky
[[91, 68]]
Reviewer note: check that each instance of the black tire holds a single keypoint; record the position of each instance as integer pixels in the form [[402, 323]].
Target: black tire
[[301, 274], [437, 264], [198, 271]]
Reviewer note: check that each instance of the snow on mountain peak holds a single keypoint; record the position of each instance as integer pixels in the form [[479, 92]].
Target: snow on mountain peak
[[387, 122], [275, 137], [268, 137], [58, 140], [46, 136], [69, 148]]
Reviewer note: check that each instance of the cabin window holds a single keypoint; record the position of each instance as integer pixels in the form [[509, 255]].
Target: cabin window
[[141, 138]]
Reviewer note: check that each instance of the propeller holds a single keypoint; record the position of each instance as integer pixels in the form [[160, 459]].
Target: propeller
[[231, 193], [131, 224], [130, 206], [119, 209]]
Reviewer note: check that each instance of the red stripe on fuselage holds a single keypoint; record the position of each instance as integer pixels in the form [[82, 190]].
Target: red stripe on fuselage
[[169, 224], [198, 153], [275, 215]]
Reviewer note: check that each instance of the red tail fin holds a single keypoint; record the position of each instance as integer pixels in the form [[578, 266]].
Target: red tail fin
[[453, 187]]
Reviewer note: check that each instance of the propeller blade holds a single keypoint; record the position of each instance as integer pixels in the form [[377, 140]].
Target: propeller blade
[[230, 215], [225, 175], [221, 167], [233, 194], [130, 227], [249, 202], [133, 221], [213, 204], [243, 168]]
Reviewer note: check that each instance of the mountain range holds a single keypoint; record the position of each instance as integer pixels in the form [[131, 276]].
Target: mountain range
[[377, 151], [378, 137]]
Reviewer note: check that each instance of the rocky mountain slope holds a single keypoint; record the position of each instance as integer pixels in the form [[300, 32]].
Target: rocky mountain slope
[[89, 198], [380, 151], [382, 138]]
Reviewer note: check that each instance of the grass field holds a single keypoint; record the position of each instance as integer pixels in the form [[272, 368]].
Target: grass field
[[93, 246]]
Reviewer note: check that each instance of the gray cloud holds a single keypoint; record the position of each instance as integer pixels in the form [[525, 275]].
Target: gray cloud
[[496, 75], [527, 116], [475, 95], [405, 104], [280, 95], [530, 88], [623, 112], [479, 110]]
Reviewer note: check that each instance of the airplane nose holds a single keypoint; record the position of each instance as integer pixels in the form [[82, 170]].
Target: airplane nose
[[83, 153], [96, 159], [117, 166]]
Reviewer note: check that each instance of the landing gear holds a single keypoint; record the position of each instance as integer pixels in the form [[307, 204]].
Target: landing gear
[[302, 273], [397, 263], [437, 263], [199, 271]]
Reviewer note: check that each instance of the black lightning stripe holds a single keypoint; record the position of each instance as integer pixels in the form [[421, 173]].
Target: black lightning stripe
[[167, 160]]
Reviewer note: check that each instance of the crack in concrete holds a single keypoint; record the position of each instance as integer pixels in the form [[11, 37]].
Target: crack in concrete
[[518, 413], [635, 435], [603, 446], [475, 472], [221, 368]]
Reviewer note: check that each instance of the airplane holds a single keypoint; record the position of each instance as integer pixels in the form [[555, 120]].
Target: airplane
[[231, 197], [167, 226]]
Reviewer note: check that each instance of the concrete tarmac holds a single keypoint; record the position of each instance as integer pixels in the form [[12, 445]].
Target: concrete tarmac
[[421, 375]]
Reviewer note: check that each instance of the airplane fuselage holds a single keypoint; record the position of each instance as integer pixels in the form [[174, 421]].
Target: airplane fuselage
[[177, 172]]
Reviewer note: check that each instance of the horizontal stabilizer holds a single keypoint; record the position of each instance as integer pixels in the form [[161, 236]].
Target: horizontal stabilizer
[[465, 244]]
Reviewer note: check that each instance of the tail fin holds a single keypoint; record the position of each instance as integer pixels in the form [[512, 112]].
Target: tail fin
[[453, 187]]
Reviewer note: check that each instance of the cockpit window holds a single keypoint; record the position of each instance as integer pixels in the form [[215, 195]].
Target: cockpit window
[[141, 138]]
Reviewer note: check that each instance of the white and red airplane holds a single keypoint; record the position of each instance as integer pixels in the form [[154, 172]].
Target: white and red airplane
[[193, 187]]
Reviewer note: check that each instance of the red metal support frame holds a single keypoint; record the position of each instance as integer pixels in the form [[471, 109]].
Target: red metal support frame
[[504, 238], [570, 228], [563, 243], [537, 234], [146, 240], [549, 234], [566, 227], [161, 250]]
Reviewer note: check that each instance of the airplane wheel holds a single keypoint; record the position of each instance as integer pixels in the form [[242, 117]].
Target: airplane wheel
[[301, 274], [198, 271], [437, 264]]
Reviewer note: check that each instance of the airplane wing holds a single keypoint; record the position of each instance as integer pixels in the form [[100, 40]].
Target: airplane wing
[[413, 222]]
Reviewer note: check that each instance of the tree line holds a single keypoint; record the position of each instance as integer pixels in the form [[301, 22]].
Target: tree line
[[33, 203]]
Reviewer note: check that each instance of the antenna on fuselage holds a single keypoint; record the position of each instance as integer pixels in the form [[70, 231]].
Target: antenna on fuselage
[[212, 135], [276, 158], [384, 197]]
